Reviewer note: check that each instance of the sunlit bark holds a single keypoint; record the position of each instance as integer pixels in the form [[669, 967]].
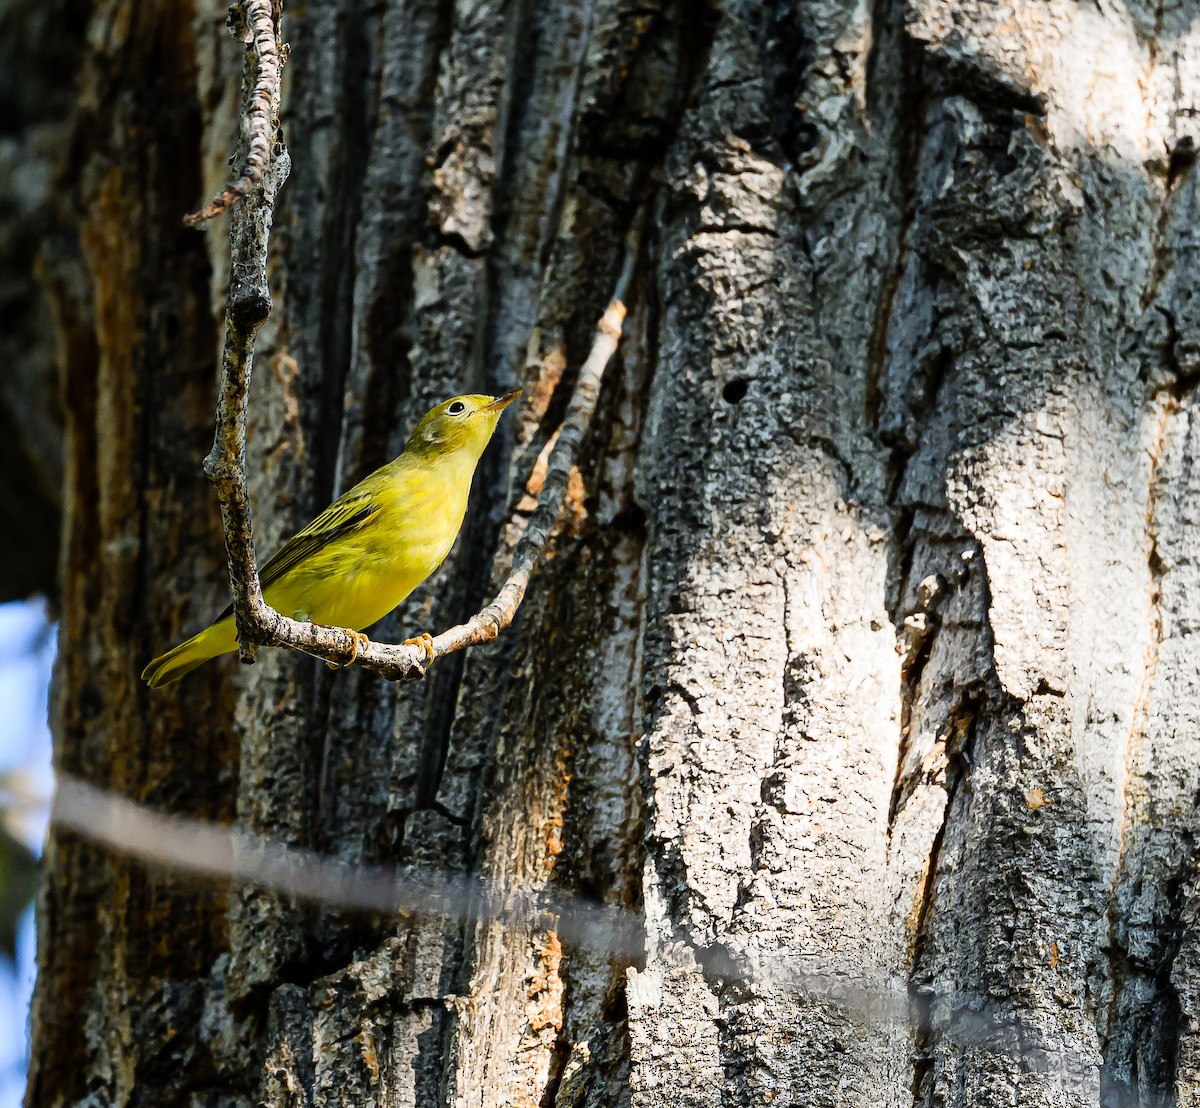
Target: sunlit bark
[[862, 665]]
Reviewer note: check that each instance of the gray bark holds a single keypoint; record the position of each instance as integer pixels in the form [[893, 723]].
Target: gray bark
[[860, 666]]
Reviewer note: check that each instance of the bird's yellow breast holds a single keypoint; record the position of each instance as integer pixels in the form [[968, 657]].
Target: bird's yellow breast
[[361, 576]]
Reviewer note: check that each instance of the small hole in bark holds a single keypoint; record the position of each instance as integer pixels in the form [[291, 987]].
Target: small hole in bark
[[800, 137], [735, 391], [1183, 157]]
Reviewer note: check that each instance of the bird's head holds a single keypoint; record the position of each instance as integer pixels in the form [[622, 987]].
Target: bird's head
[[460, 425]]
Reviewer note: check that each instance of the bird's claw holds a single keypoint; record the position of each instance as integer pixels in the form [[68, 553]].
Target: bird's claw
[[425, 641], [358, 645]]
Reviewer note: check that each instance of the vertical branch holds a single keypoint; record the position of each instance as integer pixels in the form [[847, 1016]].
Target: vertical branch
[[260, 20], [247, 306]]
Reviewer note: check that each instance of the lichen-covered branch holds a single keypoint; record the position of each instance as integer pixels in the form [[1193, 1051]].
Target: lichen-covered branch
[[258, 120], [247, 306]]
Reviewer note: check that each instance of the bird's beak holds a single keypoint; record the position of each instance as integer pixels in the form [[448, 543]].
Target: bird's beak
[[501, 402]]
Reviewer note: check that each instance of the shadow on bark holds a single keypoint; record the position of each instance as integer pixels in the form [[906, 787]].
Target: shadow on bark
[[861, 656]]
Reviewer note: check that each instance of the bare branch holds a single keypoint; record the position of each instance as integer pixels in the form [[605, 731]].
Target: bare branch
[[489, 621], [261, 108], [247, 307], [213, 851], [209, 850]]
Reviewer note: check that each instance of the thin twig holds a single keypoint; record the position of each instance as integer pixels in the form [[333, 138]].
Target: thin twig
[[490, 620], [248, 305], [261, 109]]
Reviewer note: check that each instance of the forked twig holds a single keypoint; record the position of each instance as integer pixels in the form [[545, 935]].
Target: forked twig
[[247, 306]]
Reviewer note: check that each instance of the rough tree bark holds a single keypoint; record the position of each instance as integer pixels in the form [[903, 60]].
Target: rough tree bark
[[864, 660]]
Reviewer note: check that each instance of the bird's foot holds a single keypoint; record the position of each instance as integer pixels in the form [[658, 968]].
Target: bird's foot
[[425, 641], [358, 644]]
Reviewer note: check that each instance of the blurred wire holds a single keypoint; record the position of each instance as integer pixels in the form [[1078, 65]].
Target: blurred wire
[[204, 849], [211, 850]]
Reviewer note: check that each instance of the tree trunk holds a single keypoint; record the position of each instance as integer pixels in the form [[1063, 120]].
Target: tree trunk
[[863, 666]]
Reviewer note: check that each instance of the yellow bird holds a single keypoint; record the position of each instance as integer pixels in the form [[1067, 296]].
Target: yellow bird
[[373, 545]]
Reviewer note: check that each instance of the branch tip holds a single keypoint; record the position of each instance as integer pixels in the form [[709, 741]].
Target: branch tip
[[260, 20]]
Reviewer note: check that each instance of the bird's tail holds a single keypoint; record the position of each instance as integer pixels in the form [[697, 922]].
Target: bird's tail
[[220, 638]]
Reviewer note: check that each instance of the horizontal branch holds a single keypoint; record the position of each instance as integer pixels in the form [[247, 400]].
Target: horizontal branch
[[207, 849], [203, 849]]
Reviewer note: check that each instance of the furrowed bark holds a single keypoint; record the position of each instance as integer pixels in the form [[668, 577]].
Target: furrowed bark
[[855, 675]]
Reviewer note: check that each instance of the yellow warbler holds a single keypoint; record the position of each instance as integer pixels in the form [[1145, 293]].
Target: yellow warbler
[[373, 545]]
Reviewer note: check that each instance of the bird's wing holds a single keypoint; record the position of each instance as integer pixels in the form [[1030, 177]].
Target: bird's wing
[[343, 516], [338, 520]]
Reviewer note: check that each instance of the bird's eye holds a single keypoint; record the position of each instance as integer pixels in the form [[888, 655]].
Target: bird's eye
[[457, 408]]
